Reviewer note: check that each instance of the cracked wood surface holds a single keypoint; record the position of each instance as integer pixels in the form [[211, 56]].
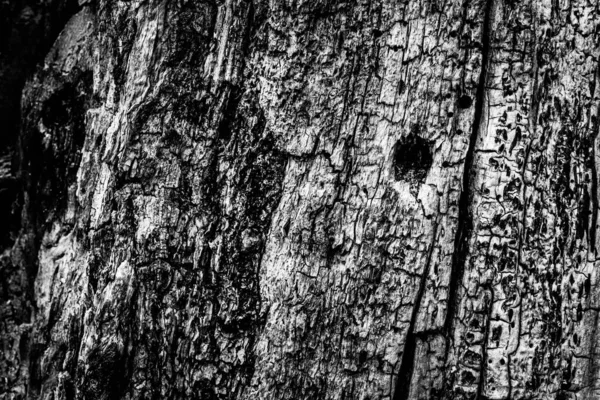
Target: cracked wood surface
[[304, 200]]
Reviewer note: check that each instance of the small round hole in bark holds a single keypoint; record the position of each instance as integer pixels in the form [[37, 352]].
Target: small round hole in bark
[[465, 101], [412, 159]]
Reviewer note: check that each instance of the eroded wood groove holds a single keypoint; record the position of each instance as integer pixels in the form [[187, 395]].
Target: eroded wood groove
[[405, 372]]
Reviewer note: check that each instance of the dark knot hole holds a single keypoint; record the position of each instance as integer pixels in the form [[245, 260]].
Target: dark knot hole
[[412, 159]]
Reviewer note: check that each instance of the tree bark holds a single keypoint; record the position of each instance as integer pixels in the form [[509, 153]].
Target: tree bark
[[242, 199]]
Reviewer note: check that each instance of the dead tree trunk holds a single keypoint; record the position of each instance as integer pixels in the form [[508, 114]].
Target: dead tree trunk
[[244, 199]]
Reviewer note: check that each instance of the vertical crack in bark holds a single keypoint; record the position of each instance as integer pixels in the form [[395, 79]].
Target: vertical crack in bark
[[594, 194], [594, 198], [464, 226], [408, 356], [464, 217]]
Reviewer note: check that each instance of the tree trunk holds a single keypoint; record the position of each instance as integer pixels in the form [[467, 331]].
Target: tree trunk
[[242, 199]]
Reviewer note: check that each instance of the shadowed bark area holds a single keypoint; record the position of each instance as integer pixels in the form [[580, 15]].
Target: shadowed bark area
[[244, 199]]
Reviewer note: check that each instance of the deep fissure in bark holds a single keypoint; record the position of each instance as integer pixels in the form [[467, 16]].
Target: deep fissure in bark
[[594, 185], [464, 228], [464, 217], [405, 372], [403, 384]]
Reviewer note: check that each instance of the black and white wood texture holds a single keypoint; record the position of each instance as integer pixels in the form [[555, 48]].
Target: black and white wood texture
[[299, 199]]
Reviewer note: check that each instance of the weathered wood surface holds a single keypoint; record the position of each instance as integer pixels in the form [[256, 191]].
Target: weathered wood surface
[[304, 200]]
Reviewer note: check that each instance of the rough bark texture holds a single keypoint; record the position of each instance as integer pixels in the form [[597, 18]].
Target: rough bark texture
[[244, 199]]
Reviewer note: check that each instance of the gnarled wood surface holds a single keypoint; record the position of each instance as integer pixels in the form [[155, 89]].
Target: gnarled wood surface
[[244, 199]]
